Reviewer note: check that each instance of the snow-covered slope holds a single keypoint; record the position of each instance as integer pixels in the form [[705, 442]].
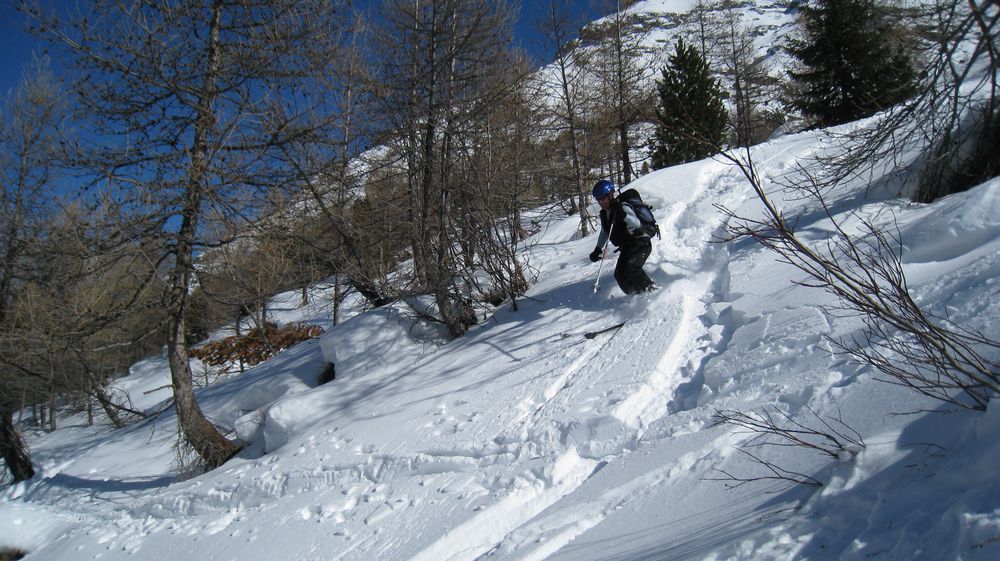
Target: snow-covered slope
[[526, 441]]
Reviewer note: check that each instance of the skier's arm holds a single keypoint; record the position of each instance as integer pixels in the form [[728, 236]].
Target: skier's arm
[[602, 239], [631, 220]]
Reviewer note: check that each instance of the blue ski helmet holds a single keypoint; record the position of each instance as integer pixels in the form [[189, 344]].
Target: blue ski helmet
[[603, 188]]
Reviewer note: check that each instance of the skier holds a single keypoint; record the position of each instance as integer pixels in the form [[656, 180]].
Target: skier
[[620, 223]]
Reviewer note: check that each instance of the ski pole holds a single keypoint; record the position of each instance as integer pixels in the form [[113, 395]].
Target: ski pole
[[604, 253]]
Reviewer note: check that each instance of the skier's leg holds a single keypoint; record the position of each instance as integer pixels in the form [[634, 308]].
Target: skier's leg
[[632, 273], [621, 275]]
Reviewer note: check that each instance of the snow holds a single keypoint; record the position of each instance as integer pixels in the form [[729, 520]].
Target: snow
[[523, 440]]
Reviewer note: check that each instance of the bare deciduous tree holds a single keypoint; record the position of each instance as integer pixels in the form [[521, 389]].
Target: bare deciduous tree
[[944, 138], [83, 316], [29, 135], [750, 85], [493, 158], [624, 72], [437, 71], [775, 427], [864, 271], [191, 105], [569, 64], [863, 268]]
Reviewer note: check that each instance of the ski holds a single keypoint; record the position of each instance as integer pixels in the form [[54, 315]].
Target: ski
[[592, 334]]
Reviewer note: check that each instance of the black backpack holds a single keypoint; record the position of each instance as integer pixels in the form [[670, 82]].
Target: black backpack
[[642, 211]]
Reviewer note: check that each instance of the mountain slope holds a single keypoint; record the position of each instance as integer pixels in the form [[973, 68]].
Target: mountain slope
[[523, 440]]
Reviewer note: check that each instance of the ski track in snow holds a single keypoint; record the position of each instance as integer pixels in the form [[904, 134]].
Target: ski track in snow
[[659, 347], [617, 417]]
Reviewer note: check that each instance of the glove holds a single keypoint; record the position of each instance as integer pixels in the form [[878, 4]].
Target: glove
[[595, 256]]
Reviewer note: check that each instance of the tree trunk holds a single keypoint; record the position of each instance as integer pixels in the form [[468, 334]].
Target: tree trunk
[[201, 434], [621, 102], [336, 298], [15, 453], [53, 405], [556, 28], [581, 189]]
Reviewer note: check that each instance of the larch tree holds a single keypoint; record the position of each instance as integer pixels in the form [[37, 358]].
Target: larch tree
[[192, 106], [556, 27], [621, 68], [437, 65], [750, 86], [29, 141]]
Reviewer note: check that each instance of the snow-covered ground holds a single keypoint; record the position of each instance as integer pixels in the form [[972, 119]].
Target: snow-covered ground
[[526, 441]]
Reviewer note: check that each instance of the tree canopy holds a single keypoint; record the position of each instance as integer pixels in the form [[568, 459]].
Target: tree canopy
[[691, 118], [850, 65]]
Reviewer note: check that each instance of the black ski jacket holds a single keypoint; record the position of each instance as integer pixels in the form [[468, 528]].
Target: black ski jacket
[[625, 221]]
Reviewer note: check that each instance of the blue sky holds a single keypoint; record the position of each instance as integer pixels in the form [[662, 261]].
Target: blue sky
[[531, 10], [16, 45]]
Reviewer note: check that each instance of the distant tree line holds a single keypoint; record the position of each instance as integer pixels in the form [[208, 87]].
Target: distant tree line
[[195, 158]]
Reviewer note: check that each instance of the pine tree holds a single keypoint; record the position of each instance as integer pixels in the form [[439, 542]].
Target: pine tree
[[850, 67], [691, 117]]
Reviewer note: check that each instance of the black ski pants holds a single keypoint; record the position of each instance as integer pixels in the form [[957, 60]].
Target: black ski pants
[[628, 272]]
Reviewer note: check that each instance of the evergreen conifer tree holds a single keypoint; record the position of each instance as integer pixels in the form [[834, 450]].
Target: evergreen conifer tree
[[691, 117], [850, 67]]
